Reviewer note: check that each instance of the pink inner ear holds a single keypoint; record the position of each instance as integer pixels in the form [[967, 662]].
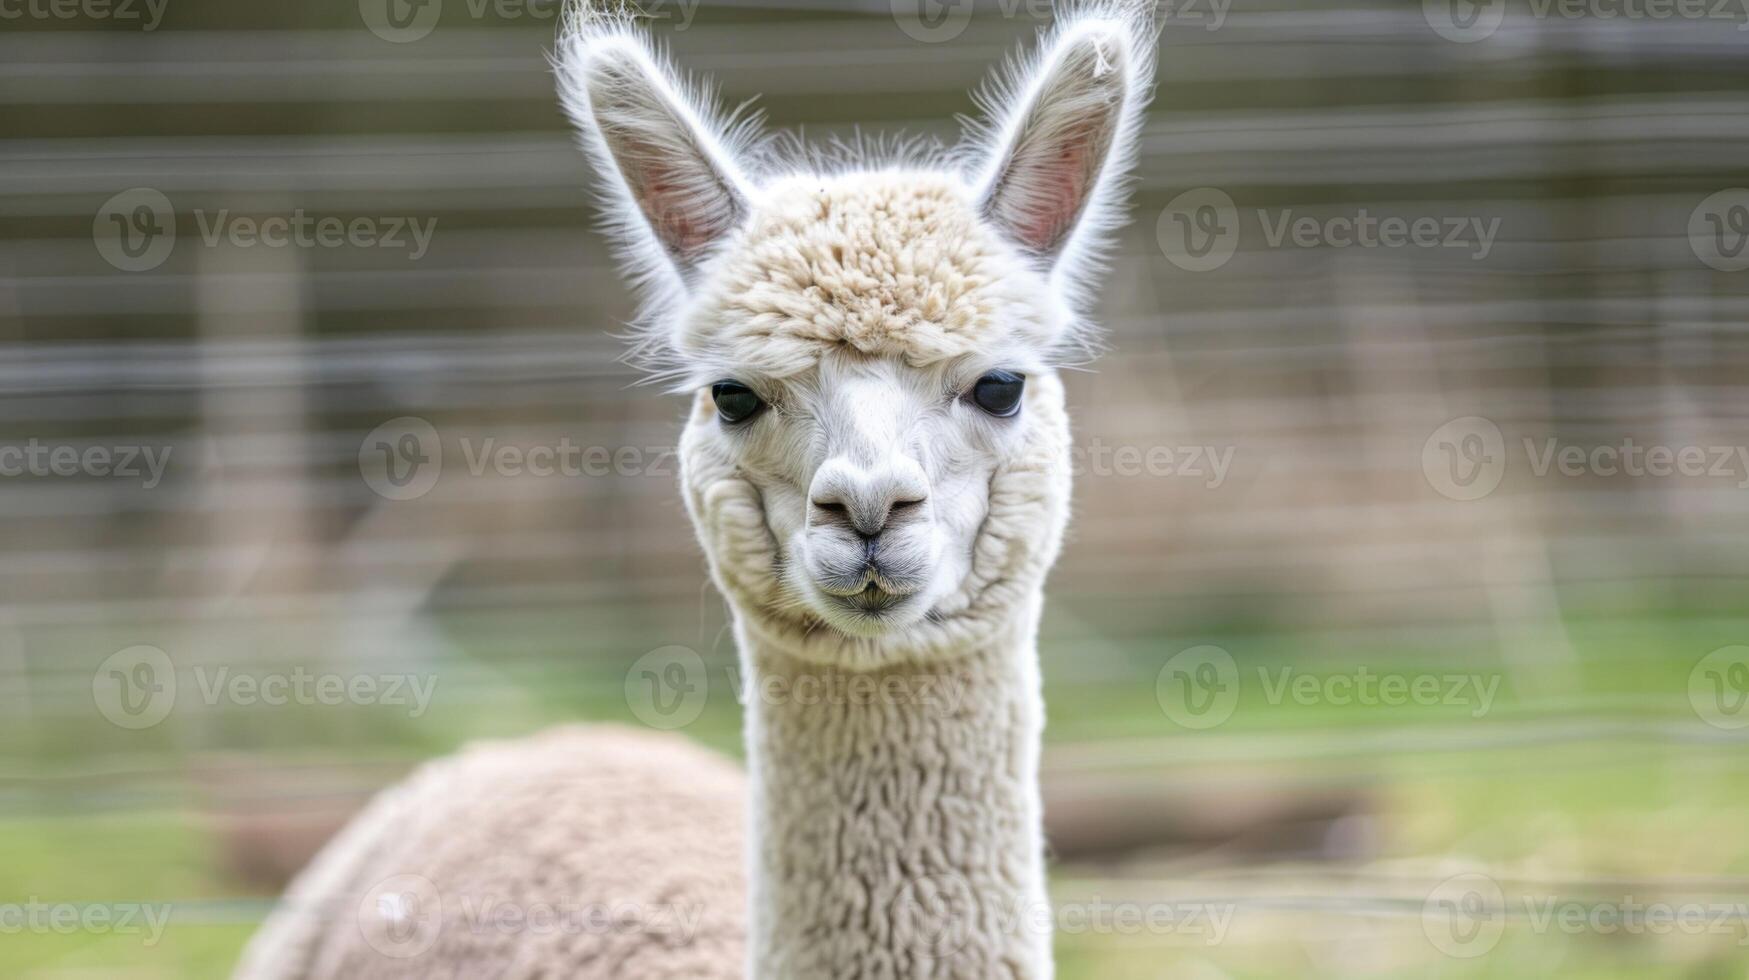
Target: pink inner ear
[[1058, 185], [1054, 186], [664, 198]]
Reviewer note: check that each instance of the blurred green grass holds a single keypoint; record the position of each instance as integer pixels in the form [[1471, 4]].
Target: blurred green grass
[[1640, 791]]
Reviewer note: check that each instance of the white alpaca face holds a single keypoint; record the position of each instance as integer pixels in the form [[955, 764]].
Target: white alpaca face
[[872, 348], [874, 476], [869, 410]]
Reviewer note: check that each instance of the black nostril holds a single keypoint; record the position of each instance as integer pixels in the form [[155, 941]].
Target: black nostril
[[831, 507], [902, 509]]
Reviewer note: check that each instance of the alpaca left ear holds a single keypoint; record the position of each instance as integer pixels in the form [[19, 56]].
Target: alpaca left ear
[[672, 158], [1065, 134]]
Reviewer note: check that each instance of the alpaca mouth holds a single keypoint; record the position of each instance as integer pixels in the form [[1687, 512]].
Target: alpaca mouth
[[872, 599], [869, 599], [871, 612]]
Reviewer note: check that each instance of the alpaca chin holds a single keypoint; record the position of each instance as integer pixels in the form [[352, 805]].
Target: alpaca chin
[[890, 618]]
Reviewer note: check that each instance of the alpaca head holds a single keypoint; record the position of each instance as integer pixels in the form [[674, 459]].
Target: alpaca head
[[877, 453]]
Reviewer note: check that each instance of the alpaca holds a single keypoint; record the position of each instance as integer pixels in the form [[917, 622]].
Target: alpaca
[[876, 463], [581, 851]]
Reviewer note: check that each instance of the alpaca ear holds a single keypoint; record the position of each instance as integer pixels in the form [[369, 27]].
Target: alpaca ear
[[1067, 129], [673, 167]]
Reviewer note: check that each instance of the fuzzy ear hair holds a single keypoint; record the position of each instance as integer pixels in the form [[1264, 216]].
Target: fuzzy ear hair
[[1068, 128], [640, 121]]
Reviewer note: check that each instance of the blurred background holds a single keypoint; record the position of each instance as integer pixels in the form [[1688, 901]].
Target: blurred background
[[1401, 632]]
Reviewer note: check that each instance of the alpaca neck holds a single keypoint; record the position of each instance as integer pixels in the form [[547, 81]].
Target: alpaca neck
[[896, 817]]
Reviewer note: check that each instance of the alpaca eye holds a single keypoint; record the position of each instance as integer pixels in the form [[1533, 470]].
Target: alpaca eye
[[999, 393], [735, 401]]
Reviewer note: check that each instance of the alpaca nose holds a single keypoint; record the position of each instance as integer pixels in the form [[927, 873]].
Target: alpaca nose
[[867, 500]]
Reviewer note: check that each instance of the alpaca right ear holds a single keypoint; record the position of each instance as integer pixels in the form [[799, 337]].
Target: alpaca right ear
[[1063, 123], [672, 166]]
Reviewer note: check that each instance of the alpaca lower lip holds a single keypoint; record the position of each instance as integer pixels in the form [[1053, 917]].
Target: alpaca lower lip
[[872, 599]]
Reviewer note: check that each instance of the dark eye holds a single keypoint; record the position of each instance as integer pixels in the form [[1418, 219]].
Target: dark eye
[[735, 401], [999, 393]]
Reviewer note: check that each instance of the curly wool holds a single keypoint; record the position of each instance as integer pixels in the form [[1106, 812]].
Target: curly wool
[[889, 264]]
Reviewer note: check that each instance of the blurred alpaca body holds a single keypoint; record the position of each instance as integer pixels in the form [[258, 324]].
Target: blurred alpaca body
[[579, 852]]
